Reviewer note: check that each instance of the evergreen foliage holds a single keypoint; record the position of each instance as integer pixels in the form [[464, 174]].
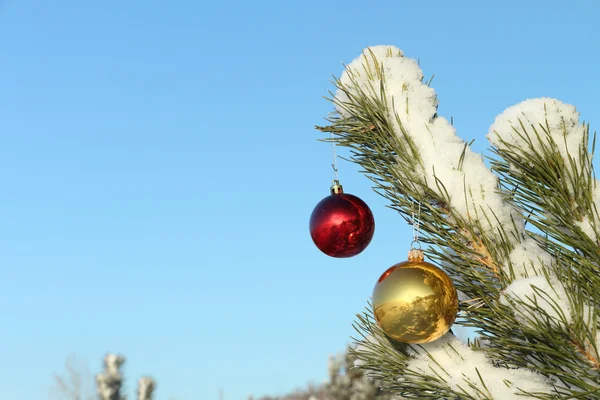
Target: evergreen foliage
[[519, 239]]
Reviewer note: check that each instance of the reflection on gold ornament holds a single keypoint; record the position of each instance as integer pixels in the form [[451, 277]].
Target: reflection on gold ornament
[[415, 301]]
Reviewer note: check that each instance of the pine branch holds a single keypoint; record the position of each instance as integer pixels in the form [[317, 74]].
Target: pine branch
[[475, 226], [560, 199]]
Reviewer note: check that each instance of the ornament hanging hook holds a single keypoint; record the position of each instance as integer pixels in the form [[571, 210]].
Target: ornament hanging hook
[[416, 222], [334, 154]]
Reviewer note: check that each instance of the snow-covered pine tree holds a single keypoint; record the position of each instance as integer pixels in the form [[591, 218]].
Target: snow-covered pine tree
[[345, 383], [109, 382], [348, 383], [520, 239]]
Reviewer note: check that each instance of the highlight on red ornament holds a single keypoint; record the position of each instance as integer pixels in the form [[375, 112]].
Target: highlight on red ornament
[[341, 225]]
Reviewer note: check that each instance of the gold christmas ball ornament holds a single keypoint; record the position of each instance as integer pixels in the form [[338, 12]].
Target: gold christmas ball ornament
[[415, 301]]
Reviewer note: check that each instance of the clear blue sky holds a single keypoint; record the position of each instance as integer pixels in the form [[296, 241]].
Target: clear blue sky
[[158, 166]]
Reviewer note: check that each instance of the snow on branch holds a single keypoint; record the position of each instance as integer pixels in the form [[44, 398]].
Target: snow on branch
[[557, 123], [411, 106], [448, 367], [538, 297], [528, 259], [472, 373], [545, 135]]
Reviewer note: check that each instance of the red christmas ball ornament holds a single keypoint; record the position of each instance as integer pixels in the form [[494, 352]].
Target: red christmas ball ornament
[[341, 225]]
